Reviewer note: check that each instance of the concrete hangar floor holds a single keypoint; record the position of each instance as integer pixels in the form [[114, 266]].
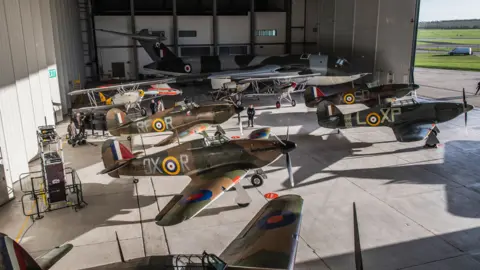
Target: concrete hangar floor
[[417, 208]]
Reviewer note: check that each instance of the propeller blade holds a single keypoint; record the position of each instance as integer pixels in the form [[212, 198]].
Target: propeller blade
[[289, 168], [288, 134]]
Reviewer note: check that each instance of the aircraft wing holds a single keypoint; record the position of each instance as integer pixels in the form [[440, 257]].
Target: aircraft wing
[[245, 73], [279, 76], [412, 132], [122, 85], [269, 241], [97, 108], [198, 194], [50, 258]]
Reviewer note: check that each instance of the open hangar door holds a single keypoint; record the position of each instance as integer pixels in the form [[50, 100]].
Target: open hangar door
[[377, 36]]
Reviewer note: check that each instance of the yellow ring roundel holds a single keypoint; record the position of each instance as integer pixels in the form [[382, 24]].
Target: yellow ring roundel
[[373, 119], [171, 166], [349, 98], [158, 125]]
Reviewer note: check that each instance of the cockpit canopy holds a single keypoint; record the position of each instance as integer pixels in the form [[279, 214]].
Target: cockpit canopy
[[216, 140], [404, 102]]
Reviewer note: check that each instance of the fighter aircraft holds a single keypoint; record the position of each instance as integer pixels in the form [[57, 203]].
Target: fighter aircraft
[[13, 256], [346, 95], [321, 69], [268, 241], [215, 164], [128, 95], [182, 120], [409, 119]]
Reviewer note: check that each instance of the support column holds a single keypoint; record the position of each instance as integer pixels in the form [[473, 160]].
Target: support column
[[215, 28], [253, 27], [135, 52], [175, 27], [288, 26]]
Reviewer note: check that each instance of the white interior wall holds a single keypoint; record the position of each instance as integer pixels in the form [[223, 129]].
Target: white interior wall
[[268, 21], [201, 24], [233, 29]]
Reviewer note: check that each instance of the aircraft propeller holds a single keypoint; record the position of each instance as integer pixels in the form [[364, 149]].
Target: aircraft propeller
[[287, 158]]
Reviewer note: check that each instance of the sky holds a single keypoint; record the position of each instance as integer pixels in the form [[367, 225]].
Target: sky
[[437, 10]]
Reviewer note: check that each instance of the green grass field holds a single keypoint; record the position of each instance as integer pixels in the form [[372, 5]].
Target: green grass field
[[448, 33], [450, 41], [447, 62]]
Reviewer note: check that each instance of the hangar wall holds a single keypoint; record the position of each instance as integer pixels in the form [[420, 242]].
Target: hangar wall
[[32, 81]]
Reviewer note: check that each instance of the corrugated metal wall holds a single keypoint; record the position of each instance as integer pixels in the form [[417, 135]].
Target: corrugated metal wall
[[37, 66]]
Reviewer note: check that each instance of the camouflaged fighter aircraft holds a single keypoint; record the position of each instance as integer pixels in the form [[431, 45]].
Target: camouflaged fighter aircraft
[[181, 120], [269, 241], [409, 119], [215, 164], [243, 69], [346, 95]]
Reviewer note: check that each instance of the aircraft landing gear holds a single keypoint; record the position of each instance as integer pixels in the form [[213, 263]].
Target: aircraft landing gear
[[278, 105], [135, 180], [258, 177], [143, 112], [294, 103]]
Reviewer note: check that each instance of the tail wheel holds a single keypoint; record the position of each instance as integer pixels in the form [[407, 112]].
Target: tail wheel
[[277, 104], [143, 112], [256, 180], [294, 103]]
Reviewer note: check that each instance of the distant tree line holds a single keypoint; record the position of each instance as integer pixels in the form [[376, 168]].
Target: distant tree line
[[453, 24]]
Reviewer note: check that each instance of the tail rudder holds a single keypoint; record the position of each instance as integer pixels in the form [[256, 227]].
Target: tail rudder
[[14, 256], [113, 153], [312, 96], [166, 53], [329, 116], [116, 118]]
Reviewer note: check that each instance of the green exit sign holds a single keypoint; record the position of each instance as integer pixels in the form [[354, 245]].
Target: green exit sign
[[52, 73]]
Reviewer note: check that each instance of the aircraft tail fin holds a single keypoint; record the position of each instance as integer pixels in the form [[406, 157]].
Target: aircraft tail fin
[[312, 96], [166, 53], [149, 42], [329, 115], [115, 156], [115, 119], [272, 233], [13, 256]]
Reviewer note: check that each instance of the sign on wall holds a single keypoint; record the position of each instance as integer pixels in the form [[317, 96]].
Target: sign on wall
[[52, 73]]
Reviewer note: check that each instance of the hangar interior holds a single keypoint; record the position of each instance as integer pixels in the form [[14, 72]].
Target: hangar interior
[[418, 209]]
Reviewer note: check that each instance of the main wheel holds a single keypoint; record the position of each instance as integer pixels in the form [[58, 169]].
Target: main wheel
[[256, 180], [294, 103], [218, 133], [135, 180], [129, 138], [277, 104], [243, 204], [143, 112]]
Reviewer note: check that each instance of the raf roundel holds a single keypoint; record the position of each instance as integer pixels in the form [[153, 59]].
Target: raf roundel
[[373, 119], [276, 219], [187, 68], [171, 166], [349, 98], [158, 125], [198, 196]]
